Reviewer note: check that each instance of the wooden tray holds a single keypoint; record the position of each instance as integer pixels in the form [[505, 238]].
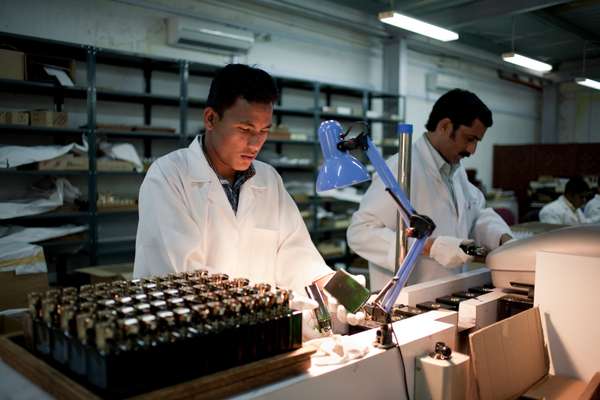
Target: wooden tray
[[217, 385]]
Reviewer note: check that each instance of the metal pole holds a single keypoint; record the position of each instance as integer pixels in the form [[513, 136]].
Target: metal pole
[[184, 71], [91, 137], [404, 161]]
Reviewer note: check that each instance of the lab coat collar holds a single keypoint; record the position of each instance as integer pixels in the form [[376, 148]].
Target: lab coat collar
[[425, 149], [567, 203], [201, 171]]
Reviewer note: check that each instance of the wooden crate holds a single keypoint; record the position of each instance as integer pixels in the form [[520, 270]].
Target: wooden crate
[[218, 385]]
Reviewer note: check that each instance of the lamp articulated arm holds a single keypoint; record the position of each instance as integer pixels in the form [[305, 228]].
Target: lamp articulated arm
[[420, 226]]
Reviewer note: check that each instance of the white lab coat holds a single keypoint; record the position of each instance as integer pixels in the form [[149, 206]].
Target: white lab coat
[[562, 212], [592, 209], [373, 228], [186, 223]]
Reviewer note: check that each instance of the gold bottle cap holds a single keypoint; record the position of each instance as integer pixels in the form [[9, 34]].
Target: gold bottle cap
[[148, 322], [240, 282], [140, 298], [201, 311], [159, 304], [142, 308], [183, 315], [66, 317], [171, 292], [129, 326], [105, 331], [84, 322]]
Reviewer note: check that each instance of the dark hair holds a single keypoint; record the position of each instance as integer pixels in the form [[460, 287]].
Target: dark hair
[[576, 185], [240, 80], [462, 107]]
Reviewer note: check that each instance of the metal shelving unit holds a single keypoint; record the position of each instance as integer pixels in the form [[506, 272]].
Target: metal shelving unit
[[91, 94]]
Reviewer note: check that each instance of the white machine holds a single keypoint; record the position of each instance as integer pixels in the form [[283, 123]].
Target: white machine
[[514, 262]]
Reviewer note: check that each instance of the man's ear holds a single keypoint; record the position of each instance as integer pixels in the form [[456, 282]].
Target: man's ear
[[210, 118], [445, 126]]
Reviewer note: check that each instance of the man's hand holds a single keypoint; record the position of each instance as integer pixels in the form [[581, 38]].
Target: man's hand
[[340, 311], [446, 251], [310, 329]]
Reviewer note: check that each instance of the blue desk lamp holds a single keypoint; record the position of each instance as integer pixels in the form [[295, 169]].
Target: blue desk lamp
[[341, 169]]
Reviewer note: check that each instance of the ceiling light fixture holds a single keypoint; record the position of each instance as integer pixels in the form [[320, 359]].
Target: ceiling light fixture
[[417, 26], [526, 62], [588, 82], [522, 60]]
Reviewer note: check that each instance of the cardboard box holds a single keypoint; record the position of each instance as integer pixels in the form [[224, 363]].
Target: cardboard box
[[104, 164], [108, 273], [49, 118], [12, 64], [510, 359], [71, 162], [14, 288], [17, 118], [11, 321], [68, 162]]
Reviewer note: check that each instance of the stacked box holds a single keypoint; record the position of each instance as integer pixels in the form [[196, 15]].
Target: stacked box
[[49, 118]]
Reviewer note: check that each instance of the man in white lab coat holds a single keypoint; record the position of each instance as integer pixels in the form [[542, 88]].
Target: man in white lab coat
[[439, 189], [566, 210], [213, 206], [592, 208]]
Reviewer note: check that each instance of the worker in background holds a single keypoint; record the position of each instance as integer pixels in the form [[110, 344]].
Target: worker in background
[[439, 189], [213, 206], [566, 210], [592, 208]]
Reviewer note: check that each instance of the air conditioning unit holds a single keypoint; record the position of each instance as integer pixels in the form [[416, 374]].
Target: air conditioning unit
[[442, 82], [207, 35]]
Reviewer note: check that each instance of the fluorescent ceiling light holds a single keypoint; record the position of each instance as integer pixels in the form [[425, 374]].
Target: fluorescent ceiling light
[[526, 62], [588, 82], [420, 27]]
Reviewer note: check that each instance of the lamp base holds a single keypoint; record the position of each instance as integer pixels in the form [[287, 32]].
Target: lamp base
[[384, 337]]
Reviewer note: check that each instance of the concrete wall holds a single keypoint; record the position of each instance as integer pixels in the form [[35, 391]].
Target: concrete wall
[[579, 114]]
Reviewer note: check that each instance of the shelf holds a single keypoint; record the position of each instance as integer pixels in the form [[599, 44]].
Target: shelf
[[292, 142], [385, 120], [42, 88], [121, 173], [294, 167], [299, 112], [51, 215], [196, 102], [329, 230], [12, 171], [135, 97], [343, 117], [116, 245], [50, 89], [39, 130], [54, 243], [118, 240], [142, 135], [116, 212], [144, 65]]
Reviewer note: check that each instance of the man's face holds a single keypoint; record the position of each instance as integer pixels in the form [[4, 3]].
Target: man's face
[[457, 144], [578, 199], [238, 135]]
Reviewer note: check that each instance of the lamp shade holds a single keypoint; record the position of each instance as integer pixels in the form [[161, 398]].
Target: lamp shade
[[339, 169]]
